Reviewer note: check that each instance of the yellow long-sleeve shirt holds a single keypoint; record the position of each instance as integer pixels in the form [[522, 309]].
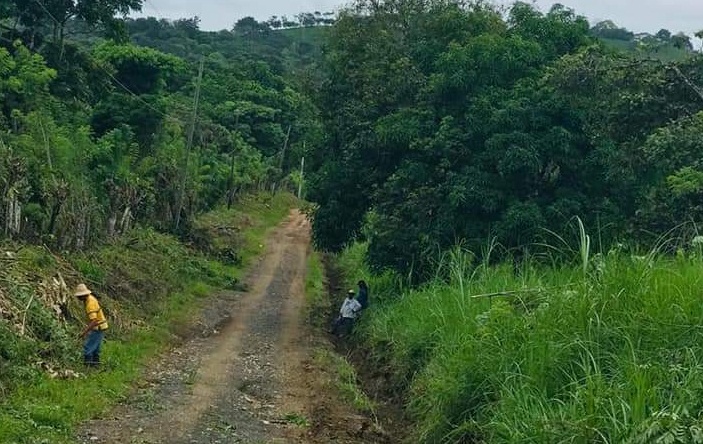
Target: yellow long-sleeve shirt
[[95, 313]]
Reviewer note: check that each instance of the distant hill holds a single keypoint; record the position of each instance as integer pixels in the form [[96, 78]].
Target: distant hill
[[311, 35], [285, 50], [663, 45]]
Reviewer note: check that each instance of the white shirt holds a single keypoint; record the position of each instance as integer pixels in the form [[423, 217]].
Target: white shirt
[[350, 308]]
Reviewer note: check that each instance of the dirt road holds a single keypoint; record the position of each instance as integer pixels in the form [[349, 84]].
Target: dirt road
[[248, 377]]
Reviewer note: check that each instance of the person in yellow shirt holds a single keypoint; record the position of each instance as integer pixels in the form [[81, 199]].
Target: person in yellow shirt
[[94, 332]]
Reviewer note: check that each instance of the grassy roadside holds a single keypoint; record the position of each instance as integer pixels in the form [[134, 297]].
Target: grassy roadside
[[345, 381], [605, 348], [343, 378], [243, 228], [318, 303], [150, 284]]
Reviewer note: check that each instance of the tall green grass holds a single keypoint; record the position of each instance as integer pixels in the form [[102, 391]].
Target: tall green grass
[[605, 349], [317, 302]]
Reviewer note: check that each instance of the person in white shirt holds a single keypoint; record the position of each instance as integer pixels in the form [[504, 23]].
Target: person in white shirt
[[347, 314]]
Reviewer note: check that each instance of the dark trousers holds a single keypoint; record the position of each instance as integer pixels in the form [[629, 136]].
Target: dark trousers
[[91, 348], [343, 326]]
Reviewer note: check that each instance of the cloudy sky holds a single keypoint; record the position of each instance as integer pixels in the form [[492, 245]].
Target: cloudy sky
[[636, 15]]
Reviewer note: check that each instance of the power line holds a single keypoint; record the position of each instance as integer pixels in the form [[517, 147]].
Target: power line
[[41, 5], [153, 6], [191, 132], [137, 96], [114, 79]]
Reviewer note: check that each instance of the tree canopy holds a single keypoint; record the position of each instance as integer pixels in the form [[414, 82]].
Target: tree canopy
[[99, 132], [424, 123], [448, 123]]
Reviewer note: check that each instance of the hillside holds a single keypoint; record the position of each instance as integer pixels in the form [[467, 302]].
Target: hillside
[[288, 51], [663, 45], [313, 36], [151, 286], [120, 133], [525, 203], [665, 52], [111, 152]]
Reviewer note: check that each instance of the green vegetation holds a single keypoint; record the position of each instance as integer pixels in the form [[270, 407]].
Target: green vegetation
[[150, 284], [234, 236], [605, 350], [288, 52], [297, 419], [101, 135], [345, 380], [424, 125], [343, 377], [465, 124], [458, 145], [663, 45], [649, 49], [318, 302], [113, 173]]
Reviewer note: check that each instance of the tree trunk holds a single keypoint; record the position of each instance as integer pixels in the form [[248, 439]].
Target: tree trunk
[[84, 235], [55, 211], [230, 183], [62, 38], [82, 226], [111, 223], [14, 215], [126, 221]]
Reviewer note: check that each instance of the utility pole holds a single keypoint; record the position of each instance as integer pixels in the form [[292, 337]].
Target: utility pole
[[189, 143], [280, 161], [300, 183], [283, 151], [230, 181]]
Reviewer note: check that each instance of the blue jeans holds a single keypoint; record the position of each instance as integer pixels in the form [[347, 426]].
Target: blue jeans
[[91, 348]]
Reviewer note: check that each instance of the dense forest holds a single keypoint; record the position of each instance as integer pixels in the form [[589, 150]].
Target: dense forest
[[449, 125], [459, 126], [107, 123]]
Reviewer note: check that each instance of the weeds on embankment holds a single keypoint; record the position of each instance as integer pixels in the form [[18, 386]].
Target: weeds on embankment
[[607, 348], [343, 377], [150, 284]]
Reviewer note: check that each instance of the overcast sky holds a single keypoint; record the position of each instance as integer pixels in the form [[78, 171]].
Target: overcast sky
[[636, 15]]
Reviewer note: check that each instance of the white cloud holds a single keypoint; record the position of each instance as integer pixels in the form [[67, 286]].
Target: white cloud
[[636, 15], [222, 14]]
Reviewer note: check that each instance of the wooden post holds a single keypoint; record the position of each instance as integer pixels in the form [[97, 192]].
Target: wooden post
[[189, 144], [230, 181], [302, 170]]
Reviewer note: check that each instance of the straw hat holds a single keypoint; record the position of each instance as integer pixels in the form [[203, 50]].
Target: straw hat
[[82, 290]]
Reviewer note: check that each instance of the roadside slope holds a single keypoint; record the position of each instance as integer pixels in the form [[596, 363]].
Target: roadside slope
[[225, 384], [150, 284]]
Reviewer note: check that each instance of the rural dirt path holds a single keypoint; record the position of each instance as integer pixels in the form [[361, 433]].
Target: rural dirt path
[[249, 375]]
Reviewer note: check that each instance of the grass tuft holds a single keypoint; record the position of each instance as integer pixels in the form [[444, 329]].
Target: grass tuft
[[345, 381]]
